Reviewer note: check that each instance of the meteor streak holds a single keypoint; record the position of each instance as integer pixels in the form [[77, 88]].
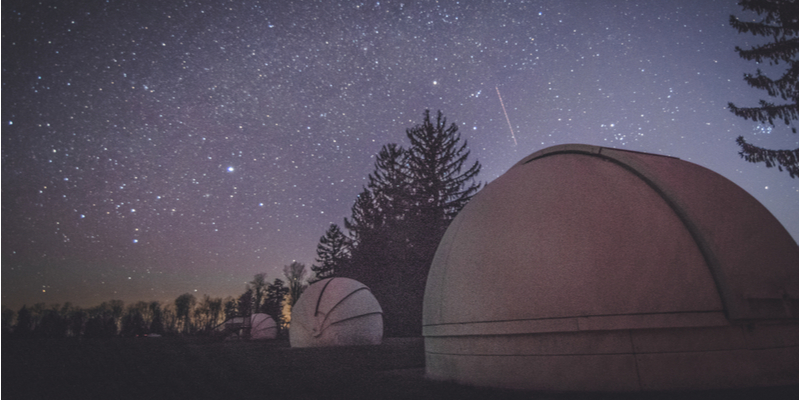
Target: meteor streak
[[506, 114]]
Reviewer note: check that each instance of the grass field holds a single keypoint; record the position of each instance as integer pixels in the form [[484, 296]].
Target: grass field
[[197, 368]]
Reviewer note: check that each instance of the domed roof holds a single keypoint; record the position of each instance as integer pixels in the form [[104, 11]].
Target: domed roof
[[336, 311], [256, 326], [262, 326], [591, 269], [575, 233]]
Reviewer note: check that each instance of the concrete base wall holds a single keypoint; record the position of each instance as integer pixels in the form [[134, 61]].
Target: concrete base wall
[[621, 360]]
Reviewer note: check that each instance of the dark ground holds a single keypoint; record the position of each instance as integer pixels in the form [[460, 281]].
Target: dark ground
[[196, 368]]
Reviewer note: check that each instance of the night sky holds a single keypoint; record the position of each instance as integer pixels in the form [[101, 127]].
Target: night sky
[[153, 148]]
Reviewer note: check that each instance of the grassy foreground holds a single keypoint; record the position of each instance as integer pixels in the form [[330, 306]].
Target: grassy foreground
[[196, 368]]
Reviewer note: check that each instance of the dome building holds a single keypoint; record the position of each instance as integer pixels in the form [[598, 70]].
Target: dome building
[[585, 268], [336, 312], [256, 326], [262, 326]]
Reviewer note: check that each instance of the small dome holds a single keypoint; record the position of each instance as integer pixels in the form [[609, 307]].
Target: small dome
[[336, 312], [570, 267], [262, 326], [256, 326]]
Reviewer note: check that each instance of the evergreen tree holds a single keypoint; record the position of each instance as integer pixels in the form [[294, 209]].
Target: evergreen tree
[[365, 218], [333, 252], [377, 223], [780, 23], [363, 227], [389, 184], [399, 218], [439, 187], [379, 233], [392, 196]]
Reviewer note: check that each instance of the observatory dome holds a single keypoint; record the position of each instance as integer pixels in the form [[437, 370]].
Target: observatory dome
[[262, 326], [589, 268], [336, 312], [255, 326]]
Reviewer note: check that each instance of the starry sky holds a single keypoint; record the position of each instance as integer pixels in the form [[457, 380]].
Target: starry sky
[[154, 148]]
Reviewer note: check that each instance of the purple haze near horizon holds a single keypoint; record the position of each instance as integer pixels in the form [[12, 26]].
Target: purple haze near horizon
[[156, 148]]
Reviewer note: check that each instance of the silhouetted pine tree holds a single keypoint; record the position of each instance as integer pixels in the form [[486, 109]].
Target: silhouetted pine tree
[[379, 233], [779, 23], [400, 217], [441, 184], [440, 189], [384, 201], [365, 218], [333, 251], [389, 184]]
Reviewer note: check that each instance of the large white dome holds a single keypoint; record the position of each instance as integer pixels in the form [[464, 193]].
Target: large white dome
[[588, 268]]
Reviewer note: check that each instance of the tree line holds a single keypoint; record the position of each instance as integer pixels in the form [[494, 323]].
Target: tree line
[[186, 315]]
